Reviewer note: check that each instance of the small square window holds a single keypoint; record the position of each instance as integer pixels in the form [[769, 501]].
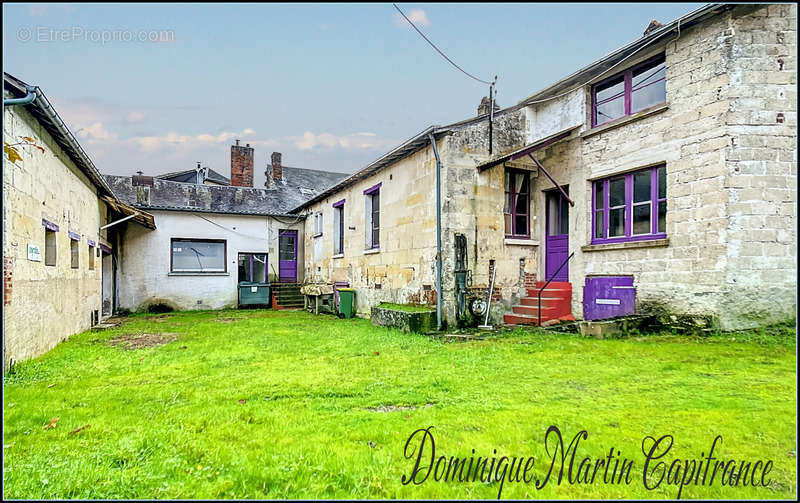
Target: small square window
[[74, 251], [49, 247]]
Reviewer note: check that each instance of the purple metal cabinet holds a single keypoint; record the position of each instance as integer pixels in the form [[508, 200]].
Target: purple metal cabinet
[[608, 297]]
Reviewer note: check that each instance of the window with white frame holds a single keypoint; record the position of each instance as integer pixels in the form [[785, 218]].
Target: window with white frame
[[198, 256]]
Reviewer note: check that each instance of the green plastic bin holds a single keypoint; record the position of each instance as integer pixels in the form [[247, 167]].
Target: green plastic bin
[[346, 302]]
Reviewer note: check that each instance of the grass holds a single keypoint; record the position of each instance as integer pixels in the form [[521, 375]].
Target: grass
[[262, 404]]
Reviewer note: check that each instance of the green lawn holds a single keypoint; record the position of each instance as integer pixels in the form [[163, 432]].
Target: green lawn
[[262, 404]]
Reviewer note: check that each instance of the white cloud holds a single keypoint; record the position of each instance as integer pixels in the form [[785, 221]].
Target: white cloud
[[418, 17], [354, 141], [134, 117]]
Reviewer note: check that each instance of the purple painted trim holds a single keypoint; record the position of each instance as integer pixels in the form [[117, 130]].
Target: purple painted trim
[[513, 173], [105, 248], [50, 225], [629, 236], [74, 236], [539, 146], [627, 77], [91, 243], [339, 204], [373, 189]]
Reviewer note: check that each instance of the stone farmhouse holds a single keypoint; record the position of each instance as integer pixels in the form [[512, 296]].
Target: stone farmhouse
[[659, 179], [60, 230]]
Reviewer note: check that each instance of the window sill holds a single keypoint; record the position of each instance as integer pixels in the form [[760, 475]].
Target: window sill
[[338, 255], [647, 112], [198, 274], [371, 251], [627, 245], [520, 242]]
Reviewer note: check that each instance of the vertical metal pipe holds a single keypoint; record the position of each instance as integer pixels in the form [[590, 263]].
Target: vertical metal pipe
[[438, 234]]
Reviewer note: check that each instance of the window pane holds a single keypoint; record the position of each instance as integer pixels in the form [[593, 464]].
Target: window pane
[[520, 183], [564, 215], [641, 219], [286, 247], [616, 224], [610, 110], [552, 216], [662, 216], [598, 225], [198, 256], [73, 245], [649, 87], [91, 257], [521, 206], [599, 201], [610, 101], [641, 186], [49, 247], [521, 225], [507, 184], [616, 192], [610, 90], [244, 267], [662, 182], [507, 204], [260, 268], [376, 237]]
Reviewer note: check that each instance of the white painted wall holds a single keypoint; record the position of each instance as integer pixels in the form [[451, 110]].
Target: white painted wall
[[144, 271]]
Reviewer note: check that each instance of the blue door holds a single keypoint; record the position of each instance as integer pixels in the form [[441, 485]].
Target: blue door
[[557, 240]]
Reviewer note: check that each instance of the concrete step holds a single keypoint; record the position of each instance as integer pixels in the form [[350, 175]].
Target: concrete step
[[546, 301], [533, 310]]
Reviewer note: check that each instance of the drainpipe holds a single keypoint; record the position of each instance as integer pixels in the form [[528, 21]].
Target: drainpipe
[[22, 101], [28, 99], [438, 234]]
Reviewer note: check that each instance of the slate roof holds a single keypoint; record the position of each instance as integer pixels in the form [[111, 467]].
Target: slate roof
[[298, 185], [189, 175]]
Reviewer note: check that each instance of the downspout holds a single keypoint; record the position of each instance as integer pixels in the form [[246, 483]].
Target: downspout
[[28, 99], [438, 234]]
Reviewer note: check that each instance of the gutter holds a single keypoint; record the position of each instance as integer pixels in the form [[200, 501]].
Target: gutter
[[438, 233], [28, 99]]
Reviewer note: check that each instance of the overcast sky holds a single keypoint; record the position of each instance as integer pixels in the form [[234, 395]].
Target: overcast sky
[[332, 86]]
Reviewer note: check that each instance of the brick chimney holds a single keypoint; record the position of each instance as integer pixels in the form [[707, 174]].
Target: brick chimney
[[241, 165], [277, 167], [483, 108]]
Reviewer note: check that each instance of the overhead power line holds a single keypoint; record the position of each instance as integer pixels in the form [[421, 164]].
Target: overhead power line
[[437, 49]]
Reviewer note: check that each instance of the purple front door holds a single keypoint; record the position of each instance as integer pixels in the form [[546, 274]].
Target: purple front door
[[287, 256], [557, 240]]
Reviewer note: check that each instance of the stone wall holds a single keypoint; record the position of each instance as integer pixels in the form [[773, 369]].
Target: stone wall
[[403, 269], [43, 304], [761, 164]]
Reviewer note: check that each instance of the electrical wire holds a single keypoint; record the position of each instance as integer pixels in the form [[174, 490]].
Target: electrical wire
[[437, 49], [532, 102]]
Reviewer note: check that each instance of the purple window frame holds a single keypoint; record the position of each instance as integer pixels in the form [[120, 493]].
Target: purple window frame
[[339, 247], [627, 77], [513, 207], [606, 208], [376, 231]]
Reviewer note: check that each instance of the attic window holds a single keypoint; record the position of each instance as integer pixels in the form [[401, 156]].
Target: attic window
[[307, 192]]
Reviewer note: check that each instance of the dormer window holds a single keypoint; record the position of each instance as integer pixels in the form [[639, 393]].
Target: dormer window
[[631, 91]]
